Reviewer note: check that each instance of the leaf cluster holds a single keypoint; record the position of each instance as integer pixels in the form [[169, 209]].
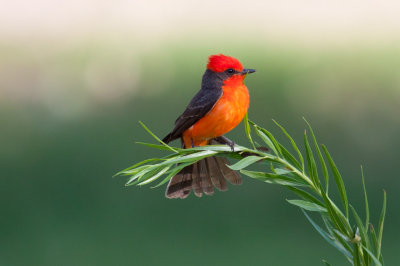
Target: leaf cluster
[[306, 174]]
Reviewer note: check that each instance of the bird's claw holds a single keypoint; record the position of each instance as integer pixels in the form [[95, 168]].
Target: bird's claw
[[232, 146], [225, 140]]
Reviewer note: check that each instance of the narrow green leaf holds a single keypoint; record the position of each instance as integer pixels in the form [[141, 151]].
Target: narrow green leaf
[[337, 235], [272, 178], [328, 237], [134, 170], [172, 173], [341, 235], [158, 139], [338, 180], [321, 158], [248, 131], [254, 174], [366, 201], [326, 263], [290, 158], [381, 259], [294, 145], [266, 140], [219, 148], [335, 217], [295, 176], [375, 259], [309, 206], [143, 170], [157, 146], [245, 162], [154, 170], [365, 259], [356, 255], [312, 167], [363, 230], [343, 218], [374, 239], [272, 168], [305, 195], [328, 225], [343, 243], [282, 180], [275, 143], [288, 175], [193, 157], [282, 171], [381, 222], [154, 177], [128, 170]]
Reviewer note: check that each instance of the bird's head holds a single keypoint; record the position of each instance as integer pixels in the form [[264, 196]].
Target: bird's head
[[227, 66]]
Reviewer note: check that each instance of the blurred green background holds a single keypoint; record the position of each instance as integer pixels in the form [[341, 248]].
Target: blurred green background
[[76, 78]]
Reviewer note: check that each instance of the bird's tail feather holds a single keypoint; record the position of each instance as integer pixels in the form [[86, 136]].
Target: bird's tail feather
[[201, 177]]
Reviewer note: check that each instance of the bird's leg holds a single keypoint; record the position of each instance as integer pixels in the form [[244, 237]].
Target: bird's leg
[[225, 140]]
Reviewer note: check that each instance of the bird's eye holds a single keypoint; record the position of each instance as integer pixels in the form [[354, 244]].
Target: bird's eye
[[230, 70]]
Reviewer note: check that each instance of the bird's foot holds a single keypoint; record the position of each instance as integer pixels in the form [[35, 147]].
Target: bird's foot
[[225, 140]]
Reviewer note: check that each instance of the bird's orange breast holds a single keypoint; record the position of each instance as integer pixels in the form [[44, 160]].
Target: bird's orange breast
[[226, 114]]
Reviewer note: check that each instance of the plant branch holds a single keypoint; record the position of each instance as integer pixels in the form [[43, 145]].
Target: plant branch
[[357, 241]]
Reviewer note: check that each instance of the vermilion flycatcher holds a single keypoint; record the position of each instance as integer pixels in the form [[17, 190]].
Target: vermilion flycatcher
[[216, 109]]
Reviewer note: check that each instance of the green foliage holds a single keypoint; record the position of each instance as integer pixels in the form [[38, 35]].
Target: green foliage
[[354, 238]]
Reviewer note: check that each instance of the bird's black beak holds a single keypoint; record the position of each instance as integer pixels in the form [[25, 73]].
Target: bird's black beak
[[247, 71]]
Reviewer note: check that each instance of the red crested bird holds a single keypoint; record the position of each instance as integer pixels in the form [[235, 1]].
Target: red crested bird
[[216, 109]]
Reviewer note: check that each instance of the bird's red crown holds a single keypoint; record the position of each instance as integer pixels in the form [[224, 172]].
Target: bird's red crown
[[220, 63]]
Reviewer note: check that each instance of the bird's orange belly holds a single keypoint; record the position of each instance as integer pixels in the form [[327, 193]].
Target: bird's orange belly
[[226, 114]]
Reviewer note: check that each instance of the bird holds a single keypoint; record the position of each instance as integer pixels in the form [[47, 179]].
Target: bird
[[218, 107]]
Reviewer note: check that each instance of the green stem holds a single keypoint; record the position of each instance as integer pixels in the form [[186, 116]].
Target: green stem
[[318, 191]]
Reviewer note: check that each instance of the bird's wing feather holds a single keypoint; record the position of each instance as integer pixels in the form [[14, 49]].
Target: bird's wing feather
[[199, 106]]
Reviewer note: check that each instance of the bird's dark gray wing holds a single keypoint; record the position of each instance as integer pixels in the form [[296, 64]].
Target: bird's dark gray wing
[[199, 106]]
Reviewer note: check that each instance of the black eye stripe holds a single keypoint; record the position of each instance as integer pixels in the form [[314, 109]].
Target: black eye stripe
[[230, 70]]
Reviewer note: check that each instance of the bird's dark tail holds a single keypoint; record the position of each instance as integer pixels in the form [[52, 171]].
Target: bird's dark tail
[[202, 176]]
